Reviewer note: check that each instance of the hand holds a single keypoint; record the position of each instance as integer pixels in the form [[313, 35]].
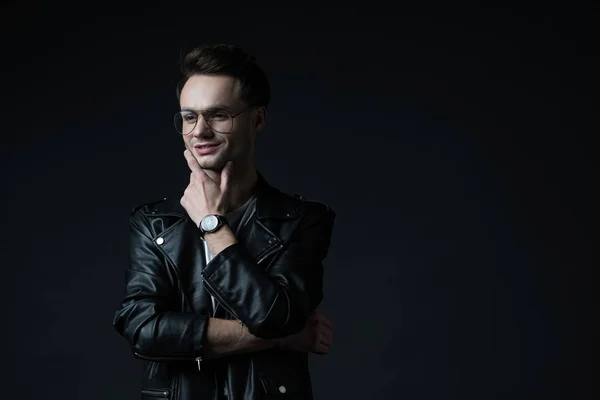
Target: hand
[[316, 337], [204, 196]]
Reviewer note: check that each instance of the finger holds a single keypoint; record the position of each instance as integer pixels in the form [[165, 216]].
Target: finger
[[313, 321], [184, 198], [226, 175], [321, 349], [327, 323], [324, 321], [316, 316], [193, 164], [327, 333], [324, 329], [188, 155], [326, 339]]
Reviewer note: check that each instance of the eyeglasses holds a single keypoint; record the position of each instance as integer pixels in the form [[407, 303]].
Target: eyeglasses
[[220, 121]]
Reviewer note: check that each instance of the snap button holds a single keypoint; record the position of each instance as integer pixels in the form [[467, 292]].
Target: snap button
[[271, 240], [282, 389], [288, 215], [160, 241]]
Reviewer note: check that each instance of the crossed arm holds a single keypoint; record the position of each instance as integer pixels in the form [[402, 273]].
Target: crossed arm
[[281, 314], [226, 337]]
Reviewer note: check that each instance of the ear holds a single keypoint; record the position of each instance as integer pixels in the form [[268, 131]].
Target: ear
[[260, 119]]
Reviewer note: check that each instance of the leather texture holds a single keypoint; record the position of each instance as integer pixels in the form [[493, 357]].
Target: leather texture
[[271, 281]]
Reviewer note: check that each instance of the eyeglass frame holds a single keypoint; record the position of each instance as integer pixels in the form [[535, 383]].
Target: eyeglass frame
[[210, 110]]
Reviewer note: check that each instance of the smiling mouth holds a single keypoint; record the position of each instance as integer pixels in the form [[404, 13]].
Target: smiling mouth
[[206, 145], [205, 148]]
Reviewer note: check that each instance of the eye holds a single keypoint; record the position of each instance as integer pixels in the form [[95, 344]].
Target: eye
[[189, 118], [219, 116]]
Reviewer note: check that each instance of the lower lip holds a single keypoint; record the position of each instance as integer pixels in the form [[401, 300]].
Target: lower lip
[[205, 149]]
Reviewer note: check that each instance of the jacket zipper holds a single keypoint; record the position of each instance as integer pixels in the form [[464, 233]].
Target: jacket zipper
[[170, 358], [158, 358], [155, 392], [268, 253], [215, 294]]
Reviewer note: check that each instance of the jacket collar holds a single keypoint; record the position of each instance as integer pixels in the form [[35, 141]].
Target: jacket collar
[[271, 203]]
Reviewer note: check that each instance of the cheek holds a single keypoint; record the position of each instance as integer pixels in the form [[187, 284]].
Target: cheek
[[238, 142]]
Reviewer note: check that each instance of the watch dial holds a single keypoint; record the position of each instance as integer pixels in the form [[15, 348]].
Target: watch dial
[[209, 223]]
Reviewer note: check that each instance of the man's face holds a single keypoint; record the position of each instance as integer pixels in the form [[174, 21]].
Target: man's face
[[213, 149]]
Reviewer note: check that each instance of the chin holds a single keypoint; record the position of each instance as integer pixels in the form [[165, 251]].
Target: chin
[[211, 163]]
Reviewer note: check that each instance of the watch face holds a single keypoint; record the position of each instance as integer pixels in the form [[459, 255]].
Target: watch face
[[209, 223]]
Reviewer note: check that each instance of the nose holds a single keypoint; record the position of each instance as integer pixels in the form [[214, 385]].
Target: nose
[[202, 129]]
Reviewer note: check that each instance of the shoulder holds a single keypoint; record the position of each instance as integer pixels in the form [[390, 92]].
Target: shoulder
[[274, 202], [312, 209], [317, 215], [311, 204], [152, 217]]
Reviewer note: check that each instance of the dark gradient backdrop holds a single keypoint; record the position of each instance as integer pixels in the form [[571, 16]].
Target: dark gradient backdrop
[[455, 146]]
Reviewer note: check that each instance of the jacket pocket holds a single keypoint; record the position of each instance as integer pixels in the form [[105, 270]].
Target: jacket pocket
[[155, 394]]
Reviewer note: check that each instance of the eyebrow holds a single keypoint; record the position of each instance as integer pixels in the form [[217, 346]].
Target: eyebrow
[[211, 108]]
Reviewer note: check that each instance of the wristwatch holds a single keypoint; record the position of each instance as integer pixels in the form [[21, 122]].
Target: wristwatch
[[211, 223]]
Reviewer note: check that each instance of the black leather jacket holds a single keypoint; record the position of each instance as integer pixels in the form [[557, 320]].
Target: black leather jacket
[[271, 281]]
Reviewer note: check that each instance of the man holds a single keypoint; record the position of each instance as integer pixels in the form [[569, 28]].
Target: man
[[224, 281]]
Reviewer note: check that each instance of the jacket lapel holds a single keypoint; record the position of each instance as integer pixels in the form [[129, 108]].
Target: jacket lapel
[[261, 236]]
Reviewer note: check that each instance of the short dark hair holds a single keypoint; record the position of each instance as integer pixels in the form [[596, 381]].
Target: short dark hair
[[228, 60]]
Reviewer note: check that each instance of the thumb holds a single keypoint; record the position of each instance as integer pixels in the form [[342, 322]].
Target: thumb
[[226, 174]]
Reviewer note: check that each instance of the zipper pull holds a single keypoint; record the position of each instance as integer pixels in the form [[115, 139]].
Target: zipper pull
[[199, 362]]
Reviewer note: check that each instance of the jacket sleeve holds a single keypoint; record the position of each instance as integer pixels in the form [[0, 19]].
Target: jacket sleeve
[[278, 302], [146, 317]]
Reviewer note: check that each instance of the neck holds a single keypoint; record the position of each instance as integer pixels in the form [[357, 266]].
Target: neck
[[242, 183]]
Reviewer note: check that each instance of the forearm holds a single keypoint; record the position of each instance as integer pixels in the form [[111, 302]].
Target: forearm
[[229, 337], [277, 302]]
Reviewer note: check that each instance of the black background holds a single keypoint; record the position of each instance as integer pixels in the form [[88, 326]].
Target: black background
[[454, 144]]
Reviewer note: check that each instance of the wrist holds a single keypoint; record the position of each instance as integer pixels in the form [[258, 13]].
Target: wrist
[[211, 223], [224, 232]]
